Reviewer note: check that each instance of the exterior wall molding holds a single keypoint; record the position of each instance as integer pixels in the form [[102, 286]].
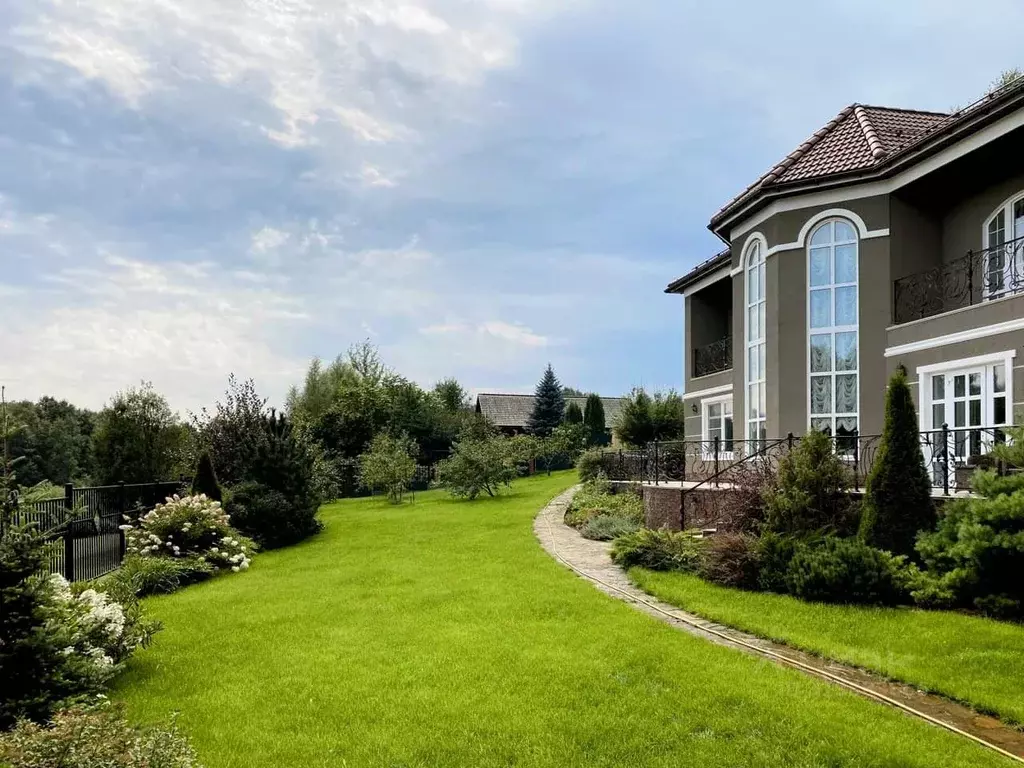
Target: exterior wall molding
[[955, 338], [708, 392], [969, 362]]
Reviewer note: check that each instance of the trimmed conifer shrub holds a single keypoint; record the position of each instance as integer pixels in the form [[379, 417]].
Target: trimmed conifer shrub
[[594, 421], [573, 414], [205, 480], [897, 500]]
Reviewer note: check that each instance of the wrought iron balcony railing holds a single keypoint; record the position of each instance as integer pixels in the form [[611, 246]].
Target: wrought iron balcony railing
[[979, 276], [712, 358]]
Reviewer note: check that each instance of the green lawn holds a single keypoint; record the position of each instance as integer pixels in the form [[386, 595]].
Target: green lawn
[[975, 660], [441, 634]]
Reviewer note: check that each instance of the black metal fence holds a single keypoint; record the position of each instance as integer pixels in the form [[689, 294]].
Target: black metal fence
[[979, 276], [83, 532], [950, 454]]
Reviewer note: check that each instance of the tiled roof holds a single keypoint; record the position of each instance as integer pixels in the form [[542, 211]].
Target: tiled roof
[[858, 138], [515, 410], [862, 138], [705, 267]]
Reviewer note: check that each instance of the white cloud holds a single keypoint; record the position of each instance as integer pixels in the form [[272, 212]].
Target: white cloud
[[516, 334]]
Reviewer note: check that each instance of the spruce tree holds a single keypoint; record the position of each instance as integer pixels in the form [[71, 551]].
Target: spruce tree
[[573, 414], [548, 405], [897, 499], [205, 480], [593, 420]]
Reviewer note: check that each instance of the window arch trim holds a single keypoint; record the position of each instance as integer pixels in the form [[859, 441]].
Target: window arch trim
[[834, 335]]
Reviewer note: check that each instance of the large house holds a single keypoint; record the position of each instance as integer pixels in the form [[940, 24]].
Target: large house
[[889, 237], [511, 413]]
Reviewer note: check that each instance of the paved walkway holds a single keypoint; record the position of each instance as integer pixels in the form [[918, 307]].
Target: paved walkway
[[591, 560]]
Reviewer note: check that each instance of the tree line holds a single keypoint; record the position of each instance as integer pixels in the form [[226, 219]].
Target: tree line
[[335, 414]]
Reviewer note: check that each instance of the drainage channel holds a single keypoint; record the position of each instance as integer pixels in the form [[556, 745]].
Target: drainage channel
[[985, 731]]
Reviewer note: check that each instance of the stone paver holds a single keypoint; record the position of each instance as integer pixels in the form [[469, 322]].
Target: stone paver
[[592, 561]]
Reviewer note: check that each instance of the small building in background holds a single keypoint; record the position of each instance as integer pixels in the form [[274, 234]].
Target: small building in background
[[511, 413]]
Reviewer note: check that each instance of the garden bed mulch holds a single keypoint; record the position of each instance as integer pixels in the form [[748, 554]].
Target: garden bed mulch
[[592, 561]]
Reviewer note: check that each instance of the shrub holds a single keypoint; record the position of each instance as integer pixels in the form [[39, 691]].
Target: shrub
[[897, 501], [140, 576], [661, 550], [847, 571], [595, 499], [976, 555], [608, 527], [731, 559], [477, 466], [205, 480], [190, 527], [590, 464], [573, 413], [810, 494], [267, 515], [774, 554], [95, 737], [285, 465], [389, 465]]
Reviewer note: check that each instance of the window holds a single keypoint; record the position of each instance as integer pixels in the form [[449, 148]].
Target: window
[[716, 425], [755, 342], [832, 319], [1004, 249], [971, 398]]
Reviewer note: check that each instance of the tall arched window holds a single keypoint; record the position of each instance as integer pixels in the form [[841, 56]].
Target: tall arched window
[[755, 338], [1004, 249], [833, 328]]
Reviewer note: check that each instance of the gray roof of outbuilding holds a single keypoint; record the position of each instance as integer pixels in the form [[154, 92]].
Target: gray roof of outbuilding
[[514, 410]]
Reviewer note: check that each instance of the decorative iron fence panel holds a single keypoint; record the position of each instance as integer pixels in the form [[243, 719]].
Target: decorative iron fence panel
[[712, 358], [979, 276]]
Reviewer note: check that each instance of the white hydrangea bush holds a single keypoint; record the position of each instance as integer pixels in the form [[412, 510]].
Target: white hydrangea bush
[[94, 632], [190, 527]]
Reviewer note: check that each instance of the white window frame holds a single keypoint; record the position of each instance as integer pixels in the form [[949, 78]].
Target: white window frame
[[833, 330], [754, 258], [707, 442], [985, 362], [1006, 208]]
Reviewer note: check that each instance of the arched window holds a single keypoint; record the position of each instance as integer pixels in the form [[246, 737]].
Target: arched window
[[755, 341], [1004, 249], [832, 308]]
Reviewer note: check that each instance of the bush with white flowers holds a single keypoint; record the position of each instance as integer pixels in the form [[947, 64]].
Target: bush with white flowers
[[190, 527], [94, 632]]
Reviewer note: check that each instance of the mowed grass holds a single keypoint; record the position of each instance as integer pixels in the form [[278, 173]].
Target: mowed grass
[[441, 634], [975, 660]]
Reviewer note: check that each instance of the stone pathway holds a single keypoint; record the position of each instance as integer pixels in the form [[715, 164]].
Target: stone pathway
[[591, 560]]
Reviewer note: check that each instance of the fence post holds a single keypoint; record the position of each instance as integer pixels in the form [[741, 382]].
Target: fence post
[[69, 498], [789, 442], [657, 464], [856, 460], [970, 278], [69, 554], [945, 459], [717, 443], [122, 500]]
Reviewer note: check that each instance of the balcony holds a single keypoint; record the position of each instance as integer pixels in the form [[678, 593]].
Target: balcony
[[712, 358], [977, 277]]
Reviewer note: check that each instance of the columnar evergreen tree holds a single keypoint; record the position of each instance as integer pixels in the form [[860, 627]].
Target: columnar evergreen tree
[[593, 420], [548, 406], [205, 480], [573, 414], [897, 500]]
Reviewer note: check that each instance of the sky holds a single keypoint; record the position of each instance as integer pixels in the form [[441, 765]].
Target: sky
[[190, 188]]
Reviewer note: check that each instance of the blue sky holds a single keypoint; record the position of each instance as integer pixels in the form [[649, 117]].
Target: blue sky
[[194, 187]]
